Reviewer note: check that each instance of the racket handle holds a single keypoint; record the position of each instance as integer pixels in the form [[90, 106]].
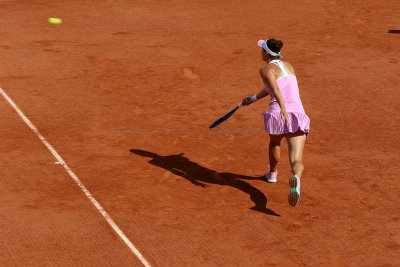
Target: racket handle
[[241, 103]]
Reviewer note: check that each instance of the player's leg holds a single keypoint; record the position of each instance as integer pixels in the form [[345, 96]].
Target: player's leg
[[296, 143], [274, 150], [296, 146]]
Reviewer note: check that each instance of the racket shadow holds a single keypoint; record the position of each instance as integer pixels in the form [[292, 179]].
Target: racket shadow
[[202, 176]]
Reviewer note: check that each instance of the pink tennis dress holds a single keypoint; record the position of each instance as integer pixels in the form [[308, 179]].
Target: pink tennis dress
[[274, 123]]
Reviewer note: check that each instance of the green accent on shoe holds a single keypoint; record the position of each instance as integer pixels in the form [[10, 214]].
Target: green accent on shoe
[[294, 194]]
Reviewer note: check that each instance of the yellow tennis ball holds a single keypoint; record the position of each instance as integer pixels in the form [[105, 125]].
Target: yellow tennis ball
[[55, 21]]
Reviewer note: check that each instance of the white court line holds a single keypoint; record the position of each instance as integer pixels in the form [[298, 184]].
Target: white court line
[[79, 183]]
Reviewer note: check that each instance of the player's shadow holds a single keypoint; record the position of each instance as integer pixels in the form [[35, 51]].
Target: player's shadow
[[393, 31], [201, 176]]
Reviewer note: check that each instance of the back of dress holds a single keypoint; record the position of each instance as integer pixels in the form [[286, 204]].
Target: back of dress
[[289, 89], [274, 123]]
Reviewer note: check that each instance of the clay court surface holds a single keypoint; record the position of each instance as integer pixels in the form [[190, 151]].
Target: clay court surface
[[124, 91]]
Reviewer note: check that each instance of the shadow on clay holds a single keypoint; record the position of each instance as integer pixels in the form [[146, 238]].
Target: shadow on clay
[[394, 31], [201, 176]]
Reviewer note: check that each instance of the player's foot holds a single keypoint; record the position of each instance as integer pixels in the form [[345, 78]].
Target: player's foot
[[294, 194], [271, 177]]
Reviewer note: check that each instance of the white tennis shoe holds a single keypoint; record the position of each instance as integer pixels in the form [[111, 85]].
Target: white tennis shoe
[[294, 194], [271, 177]]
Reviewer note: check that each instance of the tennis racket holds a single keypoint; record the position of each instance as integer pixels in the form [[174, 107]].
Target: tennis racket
[[227, 115]]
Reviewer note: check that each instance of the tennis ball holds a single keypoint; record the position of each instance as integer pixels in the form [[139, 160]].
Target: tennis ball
[[55, 21]]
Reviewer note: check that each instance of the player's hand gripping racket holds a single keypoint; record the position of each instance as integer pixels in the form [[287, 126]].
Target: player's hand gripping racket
[[227, 115]]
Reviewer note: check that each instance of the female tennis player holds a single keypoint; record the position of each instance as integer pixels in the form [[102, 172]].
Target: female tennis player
[[286, 116]]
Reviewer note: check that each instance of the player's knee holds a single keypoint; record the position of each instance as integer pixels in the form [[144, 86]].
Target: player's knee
[[274, 143], [298, 164]]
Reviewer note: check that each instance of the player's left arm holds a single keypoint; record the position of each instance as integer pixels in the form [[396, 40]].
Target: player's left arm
[[269, 78], [263, 93]]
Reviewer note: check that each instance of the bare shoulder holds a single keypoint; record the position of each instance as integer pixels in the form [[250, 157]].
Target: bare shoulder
[[289, 68], [266, 71], [266, 68]]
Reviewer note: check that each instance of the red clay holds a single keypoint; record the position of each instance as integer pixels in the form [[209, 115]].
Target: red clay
[[121, 89]]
